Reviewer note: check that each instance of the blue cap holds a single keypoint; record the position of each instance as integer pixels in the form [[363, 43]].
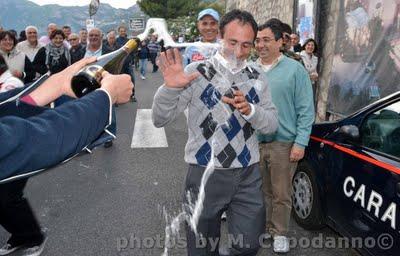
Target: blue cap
[[213, 13]]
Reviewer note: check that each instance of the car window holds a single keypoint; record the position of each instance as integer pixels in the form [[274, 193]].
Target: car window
[[381, 130]]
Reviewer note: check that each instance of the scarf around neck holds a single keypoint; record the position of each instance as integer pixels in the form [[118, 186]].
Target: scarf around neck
[[53, 54]]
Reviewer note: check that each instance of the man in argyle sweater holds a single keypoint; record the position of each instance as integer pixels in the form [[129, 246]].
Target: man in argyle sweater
[[227, 104]]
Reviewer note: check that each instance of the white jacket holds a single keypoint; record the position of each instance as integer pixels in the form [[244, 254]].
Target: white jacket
[[29, 50], [9, 82], [15, 60], [310, 63]]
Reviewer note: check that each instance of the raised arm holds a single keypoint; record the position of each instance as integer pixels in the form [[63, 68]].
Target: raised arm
[[172, 97]]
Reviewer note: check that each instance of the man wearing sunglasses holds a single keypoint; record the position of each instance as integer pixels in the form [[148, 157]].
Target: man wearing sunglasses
[[77, 50]]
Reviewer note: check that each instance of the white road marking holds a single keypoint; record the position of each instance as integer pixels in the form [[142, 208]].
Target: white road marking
[[145, 134]]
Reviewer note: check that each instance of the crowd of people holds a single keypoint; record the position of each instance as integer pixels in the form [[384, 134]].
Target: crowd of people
[[270, 105], [29, 57], [61, 54]]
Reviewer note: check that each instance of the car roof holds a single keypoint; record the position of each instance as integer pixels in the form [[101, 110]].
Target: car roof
[[388, 98]]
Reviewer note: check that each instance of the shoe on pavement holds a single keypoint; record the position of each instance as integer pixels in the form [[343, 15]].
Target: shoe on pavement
[[7, 249], [223, 216], [143, 77], [35, 250], [108, 144], [281, 244], [267, 235]]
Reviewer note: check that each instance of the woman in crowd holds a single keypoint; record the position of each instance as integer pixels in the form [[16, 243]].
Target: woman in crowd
[[57, 55], [7, 80], [310, 60], [58, 58], [17, 62]]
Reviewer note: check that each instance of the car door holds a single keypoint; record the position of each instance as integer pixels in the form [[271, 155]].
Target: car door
[[364, 198]]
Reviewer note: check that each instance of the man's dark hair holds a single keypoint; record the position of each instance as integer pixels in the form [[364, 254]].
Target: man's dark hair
[[275, 26], [286, 28], [22, 36], [66, 27], [3, 34], [275, 21], [121, 26], [242, 16]]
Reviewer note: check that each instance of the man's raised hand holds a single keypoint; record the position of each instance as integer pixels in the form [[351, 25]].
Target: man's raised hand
[[171, 66]]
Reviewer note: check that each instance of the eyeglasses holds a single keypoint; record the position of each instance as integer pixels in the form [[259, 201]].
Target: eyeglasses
[[73, 39], [286, 36], [264, 40]]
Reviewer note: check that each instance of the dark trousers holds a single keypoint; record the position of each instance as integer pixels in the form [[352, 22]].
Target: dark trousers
[[16, 215], [127, 69], [153, 57], [236, 191]]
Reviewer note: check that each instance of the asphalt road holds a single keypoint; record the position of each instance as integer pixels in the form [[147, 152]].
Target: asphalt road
[[110, 202]]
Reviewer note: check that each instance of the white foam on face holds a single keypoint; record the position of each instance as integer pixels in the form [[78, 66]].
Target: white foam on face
[[230, 52]]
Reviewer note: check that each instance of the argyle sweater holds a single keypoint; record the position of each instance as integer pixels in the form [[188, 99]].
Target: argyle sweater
[[235, 142]]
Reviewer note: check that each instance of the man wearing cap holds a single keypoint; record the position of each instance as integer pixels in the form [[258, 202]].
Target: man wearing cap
[[34, 50], [207, 24]]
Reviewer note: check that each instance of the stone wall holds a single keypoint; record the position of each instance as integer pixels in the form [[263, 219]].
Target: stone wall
[[265, 9]]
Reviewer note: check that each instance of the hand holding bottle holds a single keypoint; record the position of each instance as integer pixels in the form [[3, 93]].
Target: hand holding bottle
[[58, 84], [119, 87], [89, 77], [64, 77]]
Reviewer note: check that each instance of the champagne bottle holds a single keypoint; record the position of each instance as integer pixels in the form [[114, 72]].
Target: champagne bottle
[[88, 78]]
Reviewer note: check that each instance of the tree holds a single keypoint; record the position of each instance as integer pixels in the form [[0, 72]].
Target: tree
[[169, 9], [219, 6], [181, 15]]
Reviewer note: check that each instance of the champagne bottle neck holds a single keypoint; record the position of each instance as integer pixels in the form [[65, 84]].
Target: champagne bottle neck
[[131, 45]]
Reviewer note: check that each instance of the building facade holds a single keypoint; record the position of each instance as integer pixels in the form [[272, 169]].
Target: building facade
[[265, 9]]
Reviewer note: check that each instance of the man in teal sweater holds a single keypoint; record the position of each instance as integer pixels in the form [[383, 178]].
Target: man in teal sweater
[[292, 95]]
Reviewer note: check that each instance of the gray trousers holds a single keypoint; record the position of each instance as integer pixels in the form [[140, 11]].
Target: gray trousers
[[239, 193]]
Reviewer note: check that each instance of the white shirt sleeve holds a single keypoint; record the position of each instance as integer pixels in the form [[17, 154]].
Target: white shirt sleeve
[[252, 112], [110, 108]]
